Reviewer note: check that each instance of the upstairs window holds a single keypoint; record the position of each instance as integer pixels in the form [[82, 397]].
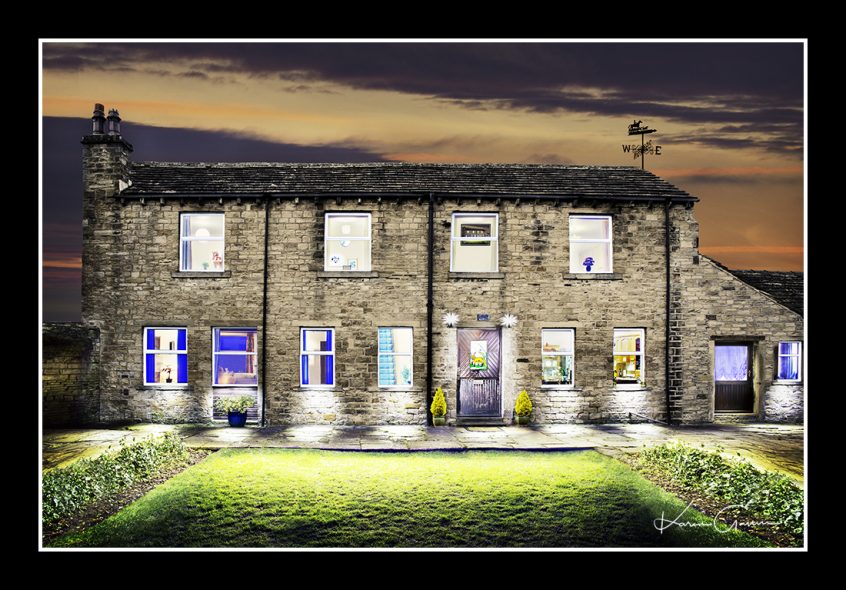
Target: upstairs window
[[395, 357], [628, 356], [789, 361], [235, 357], [557, 356], [165, 356], [347, 242], [317, 357], [590, 244], [475, 242], [201, 242]]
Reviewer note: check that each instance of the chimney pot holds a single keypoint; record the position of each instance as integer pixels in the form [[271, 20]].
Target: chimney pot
[[98, 120], [114, 122]]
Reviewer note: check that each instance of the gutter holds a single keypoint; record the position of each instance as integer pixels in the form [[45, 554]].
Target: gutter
[[430, 304], [667, 308], [267, 203]]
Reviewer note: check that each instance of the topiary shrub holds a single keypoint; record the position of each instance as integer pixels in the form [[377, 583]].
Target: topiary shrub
[[523, 407], [439, 407]]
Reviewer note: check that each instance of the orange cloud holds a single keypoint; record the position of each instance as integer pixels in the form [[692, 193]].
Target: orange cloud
[[751, 249], [728, 171], [64, 263]]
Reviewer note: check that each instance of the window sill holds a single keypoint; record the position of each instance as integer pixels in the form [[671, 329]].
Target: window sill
[[784, 382], [414, 388], [168, 387], [201, 274], [235, 385], [593, 276], [561, 387], [475, 275], [626, 387], [347, 274]]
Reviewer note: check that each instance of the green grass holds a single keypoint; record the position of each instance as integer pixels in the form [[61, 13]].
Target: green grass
[[296, 498]]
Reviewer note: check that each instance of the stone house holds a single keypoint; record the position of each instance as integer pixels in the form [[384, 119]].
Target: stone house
[[346, 293]]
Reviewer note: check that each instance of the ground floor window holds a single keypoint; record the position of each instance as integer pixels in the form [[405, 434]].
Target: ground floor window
[[557, 356], [317, 357], [235, 356], [395, 357], [165, 356], [628, 356], [790, 361]]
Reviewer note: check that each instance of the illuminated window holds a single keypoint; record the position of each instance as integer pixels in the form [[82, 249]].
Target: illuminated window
[[475, 242], [347, 242], [235, 356], [201, 242], [790, 361], [165, 356], [590, 244], [628, 356], [395, 357], [557, 356], [317, 357]]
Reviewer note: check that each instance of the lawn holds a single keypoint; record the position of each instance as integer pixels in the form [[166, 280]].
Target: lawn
[[307, 498]]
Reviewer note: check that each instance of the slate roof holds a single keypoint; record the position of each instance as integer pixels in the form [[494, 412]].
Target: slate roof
[[784, 287], [398, 179]]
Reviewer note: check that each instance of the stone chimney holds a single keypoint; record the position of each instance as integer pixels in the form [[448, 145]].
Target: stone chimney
[[105, 174]]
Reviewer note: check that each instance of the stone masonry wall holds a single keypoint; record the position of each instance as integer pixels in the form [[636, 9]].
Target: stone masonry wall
[[70, 374], [717, 305], [536, 287]]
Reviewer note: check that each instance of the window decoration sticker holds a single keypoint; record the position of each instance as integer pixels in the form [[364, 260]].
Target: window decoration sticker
[[478, 355], [336, 260], [475, 230]]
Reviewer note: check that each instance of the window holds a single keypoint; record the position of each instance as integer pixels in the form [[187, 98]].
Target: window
[[475, 243], [347, 243], [317, 357], [628, 355], [201, 242], [165, 356], [590, 244], [557, 356], [395, 357], [234, 356], [790, 361]]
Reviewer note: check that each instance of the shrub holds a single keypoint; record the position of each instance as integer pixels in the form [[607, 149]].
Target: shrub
[[771, 496], [238, 405], [439, 407], [523, 407], [67, 490]]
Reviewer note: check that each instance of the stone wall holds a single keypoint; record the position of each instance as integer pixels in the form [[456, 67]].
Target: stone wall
[[70, 374], [715, 305]]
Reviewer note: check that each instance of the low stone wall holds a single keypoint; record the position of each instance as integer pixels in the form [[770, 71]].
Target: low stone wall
[[70, 378]]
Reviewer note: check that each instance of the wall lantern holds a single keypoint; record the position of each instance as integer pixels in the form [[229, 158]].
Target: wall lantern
[[450, 319], [508, 321]]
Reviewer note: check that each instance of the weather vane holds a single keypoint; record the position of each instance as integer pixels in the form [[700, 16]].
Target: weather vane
[[641, 150]]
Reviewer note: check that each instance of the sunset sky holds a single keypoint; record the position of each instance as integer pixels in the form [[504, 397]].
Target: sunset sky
[[729, 117]]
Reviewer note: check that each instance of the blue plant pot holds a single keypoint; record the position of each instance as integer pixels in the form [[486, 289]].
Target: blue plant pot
[[237, 419], [588, 268]]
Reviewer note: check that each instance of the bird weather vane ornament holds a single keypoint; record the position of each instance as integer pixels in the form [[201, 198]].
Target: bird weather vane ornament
[[641, 150]]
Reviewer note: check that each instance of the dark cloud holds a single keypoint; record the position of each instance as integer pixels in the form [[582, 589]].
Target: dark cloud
[[62, 184], [732, 84]]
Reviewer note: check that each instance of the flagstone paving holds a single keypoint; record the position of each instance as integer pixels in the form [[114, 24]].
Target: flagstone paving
[[770, 446]]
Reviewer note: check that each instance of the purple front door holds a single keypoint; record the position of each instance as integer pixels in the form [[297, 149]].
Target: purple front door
[[479, 355], [733, 378]]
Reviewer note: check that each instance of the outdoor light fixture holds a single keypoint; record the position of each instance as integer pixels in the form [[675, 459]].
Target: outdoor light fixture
[[508, 321], [450, 319]]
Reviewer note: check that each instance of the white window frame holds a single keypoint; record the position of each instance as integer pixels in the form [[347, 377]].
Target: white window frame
[[380, 354], [492, 238], [642, 354], [780, 356], [215, 354], [571, 354], [154, 351], [609, 241], [327, 239], [304, 352], [184, 238]]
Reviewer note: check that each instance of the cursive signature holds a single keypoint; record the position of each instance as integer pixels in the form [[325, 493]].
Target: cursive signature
[[663, 523]]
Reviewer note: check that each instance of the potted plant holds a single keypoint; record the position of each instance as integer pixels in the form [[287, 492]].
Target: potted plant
[[523, 408], [235, 408], [439, 408], [588, 263]]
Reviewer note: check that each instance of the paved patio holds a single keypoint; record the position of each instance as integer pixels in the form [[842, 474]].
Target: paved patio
[[770, 446]]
